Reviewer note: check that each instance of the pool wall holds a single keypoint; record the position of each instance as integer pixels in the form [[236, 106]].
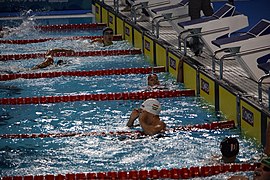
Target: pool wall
[[250, 118]]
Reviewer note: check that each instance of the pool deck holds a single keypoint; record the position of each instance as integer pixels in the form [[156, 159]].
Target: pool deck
[[233, 74]]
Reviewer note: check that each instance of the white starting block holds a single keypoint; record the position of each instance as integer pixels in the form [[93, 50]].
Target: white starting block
[[254, 51], [137, 5], [178, 9], [222, 23]]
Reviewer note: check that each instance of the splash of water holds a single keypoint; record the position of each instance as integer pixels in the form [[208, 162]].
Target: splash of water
[[25, 29]]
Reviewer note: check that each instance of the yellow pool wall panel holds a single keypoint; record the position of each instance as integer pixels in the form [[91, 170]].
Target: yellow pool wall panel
[[161, 56], [128, 33], [250, 120], [112, 22], [228, 104], [189, 77], [120, 27], [98, 13], [173, 64], [138, 42], [149, 49], [207, 88], [104, 17]]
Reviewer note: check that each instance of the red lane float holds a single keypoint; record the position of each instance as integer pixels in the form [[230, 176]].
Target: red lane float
[[174, 173], [134, 134], [61, 27], [73, 54], [98, 97], [104, 72], [209, 126], [59, 135], [27, 41]]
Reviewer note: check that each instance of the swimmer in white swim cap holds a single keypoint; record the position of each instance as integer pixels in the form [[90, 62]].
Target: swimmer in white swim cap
[[148, 115]]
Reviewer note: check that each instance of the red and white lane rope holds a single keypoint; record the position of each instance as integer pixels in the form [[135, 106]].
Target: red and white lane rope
[[72, 54], [174, 173], [207, 126], [97, 97], [63, 27], [27, 41], [104, 72]]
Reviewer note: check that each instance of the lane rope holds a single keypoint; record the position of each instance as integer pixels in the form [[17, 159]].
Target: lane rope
[[27, 41], [174, 173], [135, 134], [104, 72], [7, 57], [97, 97], [62, 27]]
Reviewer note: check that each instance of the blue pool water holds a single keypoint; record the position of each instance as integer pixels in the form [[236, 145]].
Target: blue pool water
[[79, 85], [97, 153]]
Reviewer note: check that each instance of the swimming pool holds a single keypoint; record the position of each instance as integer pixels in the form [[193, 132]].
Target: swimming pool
[[39, 156]]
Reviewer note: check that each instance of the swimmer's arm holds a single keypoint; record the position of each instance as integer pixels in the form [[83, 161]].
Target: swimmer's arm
[[238, 178], [35, 67], [267, 144], [39, 66], [99, 40], [133, 116]]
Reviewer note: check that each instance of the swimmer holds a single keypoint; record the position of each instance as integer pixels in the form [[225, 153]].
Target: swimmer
[[148, 115], [1, 32], [107, 37], [262, 172], [49, 59], [229, 148], [4, 31], [153, 82]]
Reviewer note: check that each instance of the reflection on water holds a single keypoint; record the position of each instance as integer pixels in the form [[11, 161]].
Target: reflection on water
[[99, 154], [10, 91], [4, 117], [111, 153]]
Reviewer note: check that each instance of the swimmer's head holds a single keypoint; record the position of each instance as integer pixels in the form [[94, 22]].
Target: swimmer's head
[[152, 106], [60, 62], [152, 80], [107, 36], [229, 147], [107, 31]]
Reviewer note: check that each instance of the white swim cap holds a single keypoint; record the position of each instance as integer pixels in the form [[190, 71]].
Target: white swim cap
[[152, 106]]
